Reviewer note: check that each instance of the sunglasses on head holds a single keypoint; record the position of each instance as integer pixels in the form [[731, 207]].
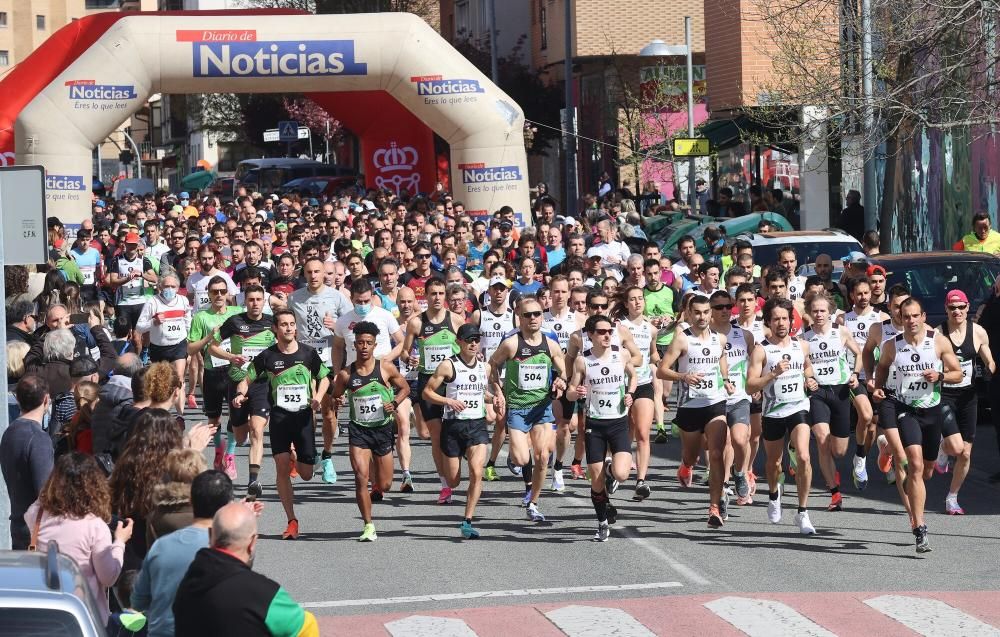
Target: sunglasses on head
[[534, 314]]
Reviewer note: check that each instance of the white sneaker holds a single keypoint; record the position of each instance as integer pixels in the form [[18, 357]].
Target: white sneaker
[[941, 464], [774, 508], [557, 480], [805, 526]]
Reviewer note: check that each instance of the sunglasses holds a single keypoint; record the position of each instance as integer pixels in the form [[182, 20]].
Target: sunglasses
[[598, 306], [472, 339], [217, 291], [727, 306], [957, 308], [535, 314], [603, 331], [423, 256]]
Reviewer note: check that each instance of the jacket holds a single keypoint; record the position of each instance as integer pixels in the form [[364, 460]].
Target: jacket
[[171, 510], [109, 430], [220, 596]]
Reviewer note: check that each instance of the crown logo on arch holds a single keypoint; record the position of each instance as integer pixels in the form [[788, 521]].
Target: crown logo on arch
[[395, 159]]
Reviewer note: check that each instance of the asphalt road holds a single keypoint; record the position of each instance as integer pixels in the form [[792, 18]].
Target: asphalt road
[[659, 547]]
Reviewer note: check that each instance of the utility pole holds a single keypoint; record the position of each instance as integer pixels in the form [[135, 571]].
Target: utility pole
[[494, 72], [870, 191], [569, 126], [690, 90]]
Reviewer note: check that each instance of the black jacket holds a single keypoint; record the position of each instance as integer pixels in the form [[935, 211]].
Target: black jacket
[[17, 334], [110, 421]]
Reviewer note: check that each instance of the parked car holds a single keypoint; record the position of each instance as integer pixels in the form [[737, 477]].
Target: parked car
[[808, 244], [43, 593], [679, 224], [318, 186], [267, 175]]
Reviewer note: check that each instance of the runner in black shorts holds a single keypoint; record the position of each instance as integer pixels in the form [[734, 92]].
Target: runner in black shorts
[[465, 379], [604, 376]]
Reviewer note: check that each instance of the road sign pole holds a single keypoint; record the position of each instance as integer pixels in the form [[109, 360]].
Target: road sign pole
[[690, 90]]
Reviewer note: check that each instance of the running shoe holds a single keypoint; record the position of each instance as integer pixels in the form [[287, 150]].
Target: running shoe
[[229, 465], [469, 532], [941, 464], [793, 461], [407, 483], [513, 468], [329, 473], [805, 525], [376, 496], [752, 479], [291, 531], [192, 403], [293, 472], [132, 621], [884, 455], [642, 490], [603, 532], [746, 501], [609, 479], [774, 508], [951, 506], [661, 436], [920, 534], [254, 489], [577, 470], [368, 534], [445, 496], [714, 517], [557, 480], [836, 502], [534, 514], [220, 451], [526, 500], [724, 506], [491, 474], [612, 514], [860, 473], [890, 476], [704, 478], [742, 484], [684, 475]]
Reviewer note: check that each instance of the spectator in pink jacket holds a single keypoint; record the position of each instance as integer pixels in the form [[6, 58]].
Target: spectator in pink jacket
[[74, 509]]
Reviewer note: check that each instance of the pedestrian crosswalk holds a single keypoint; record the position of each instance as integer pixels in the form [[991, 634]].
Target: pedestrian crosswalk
[[973, 614]]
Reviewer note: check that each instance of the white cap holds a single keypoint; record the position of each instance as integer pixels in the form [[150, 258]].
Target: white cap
[[498, 280], [368, 204]]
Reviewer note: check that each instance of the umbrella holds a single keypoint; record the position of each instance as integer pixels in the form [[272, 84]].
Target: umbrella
[[197, 180]]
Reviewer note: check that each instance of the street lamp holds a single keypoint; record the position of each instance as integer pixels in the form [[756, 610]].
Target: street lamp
[[659, 48]]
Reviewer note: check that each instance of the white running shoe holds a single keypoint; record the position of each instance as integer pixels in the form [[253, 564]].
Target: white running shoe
[[805, 526], [558, 484], [603, 532], [941, 464], [774, 508]]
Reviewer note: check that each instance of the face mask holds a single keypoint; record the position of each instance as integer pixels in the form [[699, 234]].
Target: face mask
[[363, 309], [168, 294], [732, 291]]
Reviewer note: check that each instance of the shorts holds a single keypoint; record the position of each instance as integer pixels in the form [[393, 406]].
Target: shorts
[[831, 404], [523, 419], [458, 435], [738, 413], [857, 392], [427, 410], [964, 407], [643, 391], [568, 406], [694, 419], [379, 440], [920, 427], [887, 413], [257, 403], [604, 434], [756, 406], [168, 353], [215, 385], [289, 428], [128, 314], [776, 428]]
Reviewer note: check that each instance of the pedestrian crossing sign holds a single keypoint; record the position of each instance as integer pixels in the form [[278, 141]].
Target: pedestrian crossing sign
[[692, 147]]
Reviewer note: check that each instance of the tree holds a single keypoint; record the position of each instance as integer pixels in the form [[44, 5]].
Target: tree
[[936, 68]]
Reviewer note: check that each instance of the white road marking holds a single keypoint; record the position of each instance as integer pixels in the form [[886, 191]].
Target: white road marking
[[525, 592], [596, 621], [931, 617], [422, 626], [765, 618]]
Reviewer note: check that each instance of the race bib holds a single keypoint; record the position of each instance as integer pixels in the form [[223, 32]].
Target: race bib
[[133, 288], [605, 404], [292, 397], [368, 408], [474, 405], [643, 374], [914, 389], [251, 352], [89, 275], [201, 300], [532, 376], [705, 388], [789, 388], [435, 354], [968, 371], [226, 346], [826, 373], [324, 350]]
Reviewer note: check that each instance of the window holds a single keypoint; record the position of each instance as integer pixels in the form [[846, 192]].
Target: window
[[543, 24], [4, 58], [462, 18], [3, 19], [40, 22]]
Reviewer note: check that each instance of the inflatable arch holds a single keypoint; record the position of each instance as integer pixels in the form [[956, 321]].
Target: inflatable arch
[[378, 62]]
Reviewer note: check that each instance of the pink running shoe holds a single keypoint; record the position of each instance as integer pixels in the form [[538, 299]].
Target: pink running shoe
[[229, 465]]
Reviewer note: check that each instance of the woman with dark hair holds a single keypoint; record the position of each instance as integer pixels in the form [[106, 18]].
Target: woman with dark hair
[[52, 291], [73, 510], [170, 504], [15, 283]]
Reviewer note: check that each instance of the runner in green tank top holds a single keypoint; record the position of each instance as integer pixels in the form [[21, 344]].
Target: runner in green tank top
[[534, 366], [374, 390]]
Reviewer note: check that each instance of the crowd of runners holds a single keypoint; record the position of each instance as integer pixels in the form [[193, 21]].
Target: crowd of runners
[[560, 345]]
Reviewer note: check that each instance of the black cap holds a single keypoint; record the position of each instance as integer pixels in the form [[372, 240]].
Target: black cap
[[83, 366], [468, 331], [506, 225]]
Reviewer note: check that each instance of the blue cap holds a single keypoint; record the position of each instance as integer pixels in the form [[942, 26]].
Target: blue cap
[[313, 202], [185, 195], [854, 257], [99, 203]]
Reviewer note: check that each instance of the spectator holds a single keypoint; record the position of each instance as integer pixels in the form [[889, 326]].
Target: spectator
[[221, 595], [982, 238], [170, 505], [58, 350], [16, 351], [116, 395], [51, 293], [26, 455], [80, 434], [871, 243], [16, 284], [170, 556], [22, 321], [73, 510], [852, 218]]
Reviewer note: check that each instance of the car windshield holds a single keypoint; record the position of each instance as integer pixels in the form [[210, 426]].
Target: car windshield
[[804, 252], [930, 281], [39, 621]]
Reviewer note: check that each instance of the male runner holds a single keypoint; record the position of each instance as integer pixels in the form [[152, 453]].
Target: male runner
[[829, 406], [406, 302], [780, 367], [923, 359], [748, 318], [603, 375], [317, 308], [700, 354], [215, 381], [973, 345], [467, 392], [129, 272], [374, 390], [433, 331], [295, 380], [249, 334], [495, 321], [660, 311], [789, 262], [529, 359], [562, 321]]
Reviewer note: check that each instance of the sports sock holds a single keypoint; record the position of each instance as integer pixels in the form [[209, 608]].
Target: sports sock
[[773, 495], [835, 490], [600, 502], [860, 451], [576, 460], [558, 465], [526, 473], [231, 442], [490, 463], [217, 438], [327, 454], [444, 483], [254, 472], [802, 509]]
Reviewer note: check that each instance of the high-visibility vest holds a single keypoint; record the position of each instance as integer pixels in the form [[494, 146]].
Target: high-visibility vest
[[971, 243]]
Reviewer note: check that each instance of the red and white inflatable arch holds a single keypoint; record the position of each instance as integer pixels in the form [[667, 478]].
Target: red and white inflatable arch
[[388, 76]]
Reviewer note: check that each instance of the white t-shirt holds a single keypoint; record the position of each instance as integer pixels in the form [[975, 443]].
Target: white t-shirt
[[382, 318], [197, 287], [310, 310], [608, 253]]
